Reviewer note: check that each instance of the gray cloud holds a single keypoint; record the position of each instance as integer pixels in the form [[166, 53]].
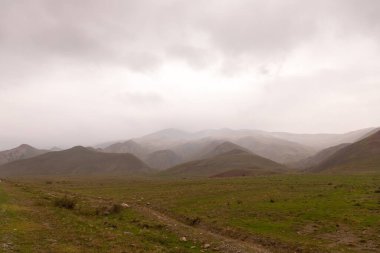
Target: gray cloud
[[144, 33], [142, 65]]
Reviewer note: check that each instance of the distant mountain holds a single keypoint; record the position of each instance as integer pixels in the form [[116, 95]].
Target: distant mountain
[[194, 149], [129, 146], [221, 147], [77, 161], [163, 159], [55, 149], [165, 138], [361, 156], [322, 141], [278, 150], [21, 152], [318, 158], [234, 159], [286, 148]]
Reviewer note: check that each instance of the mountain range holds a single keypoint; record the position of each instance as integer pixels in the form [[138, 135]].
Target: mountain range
[[77, 161], [21, 152], [209, 153]]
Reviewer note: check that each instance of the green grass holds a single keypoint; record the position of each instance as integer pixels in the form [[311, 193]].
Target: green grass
[[32, 222], [307, 212]]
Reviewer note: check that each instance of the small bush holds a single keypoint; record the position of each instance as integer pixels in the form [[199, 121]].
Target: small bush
[[193, 221], [109, 209], [116, 208], [65, 202]]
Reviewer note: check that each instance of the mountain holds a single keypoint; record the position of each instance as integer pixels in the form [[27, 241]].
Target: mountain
[[77, 161], [286, 148], [21, 152], [278, 150], [163, 159], [165, 138], [322, 141], [234, 159], [361, 156], [318, 158], [129, 146], [220, 147]]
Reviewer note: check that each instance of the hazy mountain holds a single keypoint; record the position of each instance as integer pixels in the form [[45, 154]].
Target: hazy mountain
[[163, 159], [317, 158], [226, 133], [21, 152], [77, 161], [361, 156], [322, 141], [235, 159], [55, 149], [129, 146], [194, 150], [165, 138], [286, 148], [220, 147], [275, 149]]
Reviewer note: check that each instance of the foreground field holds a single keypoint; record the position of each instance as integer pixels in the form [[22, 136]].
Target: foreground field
[[288, 213]]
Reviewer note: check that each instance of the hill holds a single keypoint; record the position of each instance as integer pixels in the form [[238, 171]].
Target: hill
[[21, 152], [361, 156], [221, 148], [234, 159], [129, 146], [278, 150], [318, 158], [163, 159], [322, 141], [77, 161]]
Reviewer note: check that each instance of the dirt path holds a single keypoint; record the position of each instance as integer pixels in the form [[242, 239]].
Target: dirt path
[[211, 240]]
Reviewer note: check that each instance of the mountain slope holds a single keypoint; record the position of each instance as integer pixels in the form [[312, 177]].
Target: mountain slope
[[275, 149], [129, 146], [322, 141], [222, 148], [318, 158], [361, 156], [76, 161], [163, 159], [21, 152], [234, 159]]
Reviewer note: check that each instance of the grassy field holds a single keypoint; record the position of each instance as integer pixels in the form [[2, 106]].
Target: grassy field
[[287, 213]]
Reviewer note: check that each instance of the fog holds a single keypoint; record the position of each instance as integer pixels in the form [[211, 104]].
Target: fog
[[90, 71]]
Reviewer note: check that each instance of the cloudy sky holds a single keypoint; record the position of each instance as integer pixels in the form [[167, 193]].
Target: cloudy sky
[[82, 72]]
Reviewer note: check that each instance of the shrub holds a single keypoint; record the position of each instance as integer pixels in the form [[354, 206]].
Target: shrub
[[192, 221], [109, 209], [65, 202]]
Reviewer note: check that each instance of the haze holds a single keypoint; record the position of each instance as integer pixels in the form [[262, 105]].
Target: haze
[[84, 72]]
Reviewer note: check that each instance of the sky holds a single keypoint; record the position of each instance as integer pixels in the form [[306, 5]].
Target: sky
[[90, 71]]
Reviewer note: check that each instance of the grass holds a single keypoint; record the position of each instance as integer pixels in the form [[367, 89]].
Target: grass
[[288, 212], [32, 222]]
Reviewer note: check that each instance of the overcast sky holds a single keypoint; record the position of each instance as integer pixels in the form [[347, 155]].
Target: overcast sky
[[82, 72]]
